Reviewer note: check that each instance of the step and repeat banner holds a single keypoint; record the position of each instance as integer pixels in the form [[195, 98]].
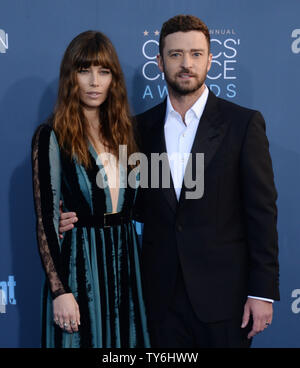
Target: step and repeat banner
[[256, 48]]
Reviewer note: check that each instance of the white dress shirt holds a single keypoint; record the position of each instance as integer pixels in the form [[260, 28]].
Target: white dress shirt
[[179, 136]]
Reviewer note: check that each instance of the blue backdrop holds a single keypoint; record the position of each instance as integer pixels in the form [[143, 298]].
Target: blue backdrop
[[257, 56]]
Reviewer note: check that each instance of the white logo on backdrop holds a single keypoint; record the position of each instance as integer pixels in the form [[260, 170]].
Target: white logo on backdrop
[[296, 43], [296, 303], [3, 41], [7, 293], [155, 86], [2, 302], [221, 78]]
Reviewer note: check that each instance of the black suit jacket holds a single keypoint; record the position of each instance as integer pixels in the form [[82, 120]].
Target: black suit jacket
[[226, 241]]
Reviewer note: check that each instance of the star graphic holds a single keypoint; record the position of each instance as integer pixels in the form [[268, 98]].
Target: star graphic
[[146, 33], [156, 33]]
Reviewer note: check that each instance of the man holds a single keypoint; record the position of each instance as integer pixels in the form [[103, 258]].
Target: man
[[209, 264]]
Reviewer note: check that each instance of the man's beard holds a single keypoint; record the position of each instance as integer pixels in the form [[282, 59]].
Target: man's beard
[[184, 90]]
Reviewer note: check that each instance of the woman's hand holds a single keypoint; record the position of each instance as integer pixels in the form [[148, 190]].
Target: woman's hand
[[66, 312]]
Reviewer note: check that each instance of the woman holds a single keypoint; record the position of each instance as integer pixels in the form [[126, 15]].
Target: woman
[[93, 295]]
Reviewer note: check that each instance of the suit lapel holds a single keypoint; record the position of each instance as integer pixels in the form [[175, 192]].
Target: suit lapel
[[208, 137]]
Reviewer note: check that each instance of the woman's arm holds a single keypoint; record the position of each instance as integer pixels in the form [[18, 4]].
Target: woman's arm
[[46, 185]]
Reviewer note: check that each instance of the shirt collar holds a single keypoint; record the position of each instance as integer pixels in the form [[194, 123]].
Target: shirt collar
[[197, 108]]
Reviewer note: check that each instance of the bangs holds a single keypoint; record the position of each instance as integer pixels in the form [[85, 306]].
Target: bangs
[[95, 52]]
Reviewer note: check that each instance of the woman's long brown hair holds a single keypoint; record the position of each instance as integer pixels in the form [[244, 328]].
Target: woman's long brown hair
[[70, 125]]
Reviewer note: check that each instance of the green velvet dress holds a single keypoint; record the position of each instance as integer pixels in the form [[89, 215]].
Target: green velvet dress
[[99, 265]]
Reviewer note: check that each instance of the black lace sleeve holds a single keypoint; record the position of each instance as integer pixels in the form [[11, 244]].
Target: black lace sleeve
[[46, 171]]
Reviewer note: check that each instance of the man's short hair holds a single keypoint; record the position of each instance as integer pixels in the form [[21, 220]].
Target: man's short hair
[[182, 23]]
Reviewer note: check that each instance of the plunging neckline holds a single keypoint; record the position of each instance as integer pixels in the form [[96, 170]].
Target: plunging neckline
[[107, 188]]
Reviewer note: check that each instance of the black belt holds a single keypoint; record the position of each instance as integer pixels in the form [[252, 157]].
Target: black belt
[[105, 220]]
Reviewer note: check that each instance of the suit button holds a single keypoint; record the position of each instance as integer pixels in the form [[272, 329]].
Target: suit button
[[179, 228]]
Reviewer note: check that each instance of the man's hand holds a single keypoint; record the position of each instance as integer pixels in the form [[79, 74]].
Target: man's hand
[[262, 313], [66, 221]]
